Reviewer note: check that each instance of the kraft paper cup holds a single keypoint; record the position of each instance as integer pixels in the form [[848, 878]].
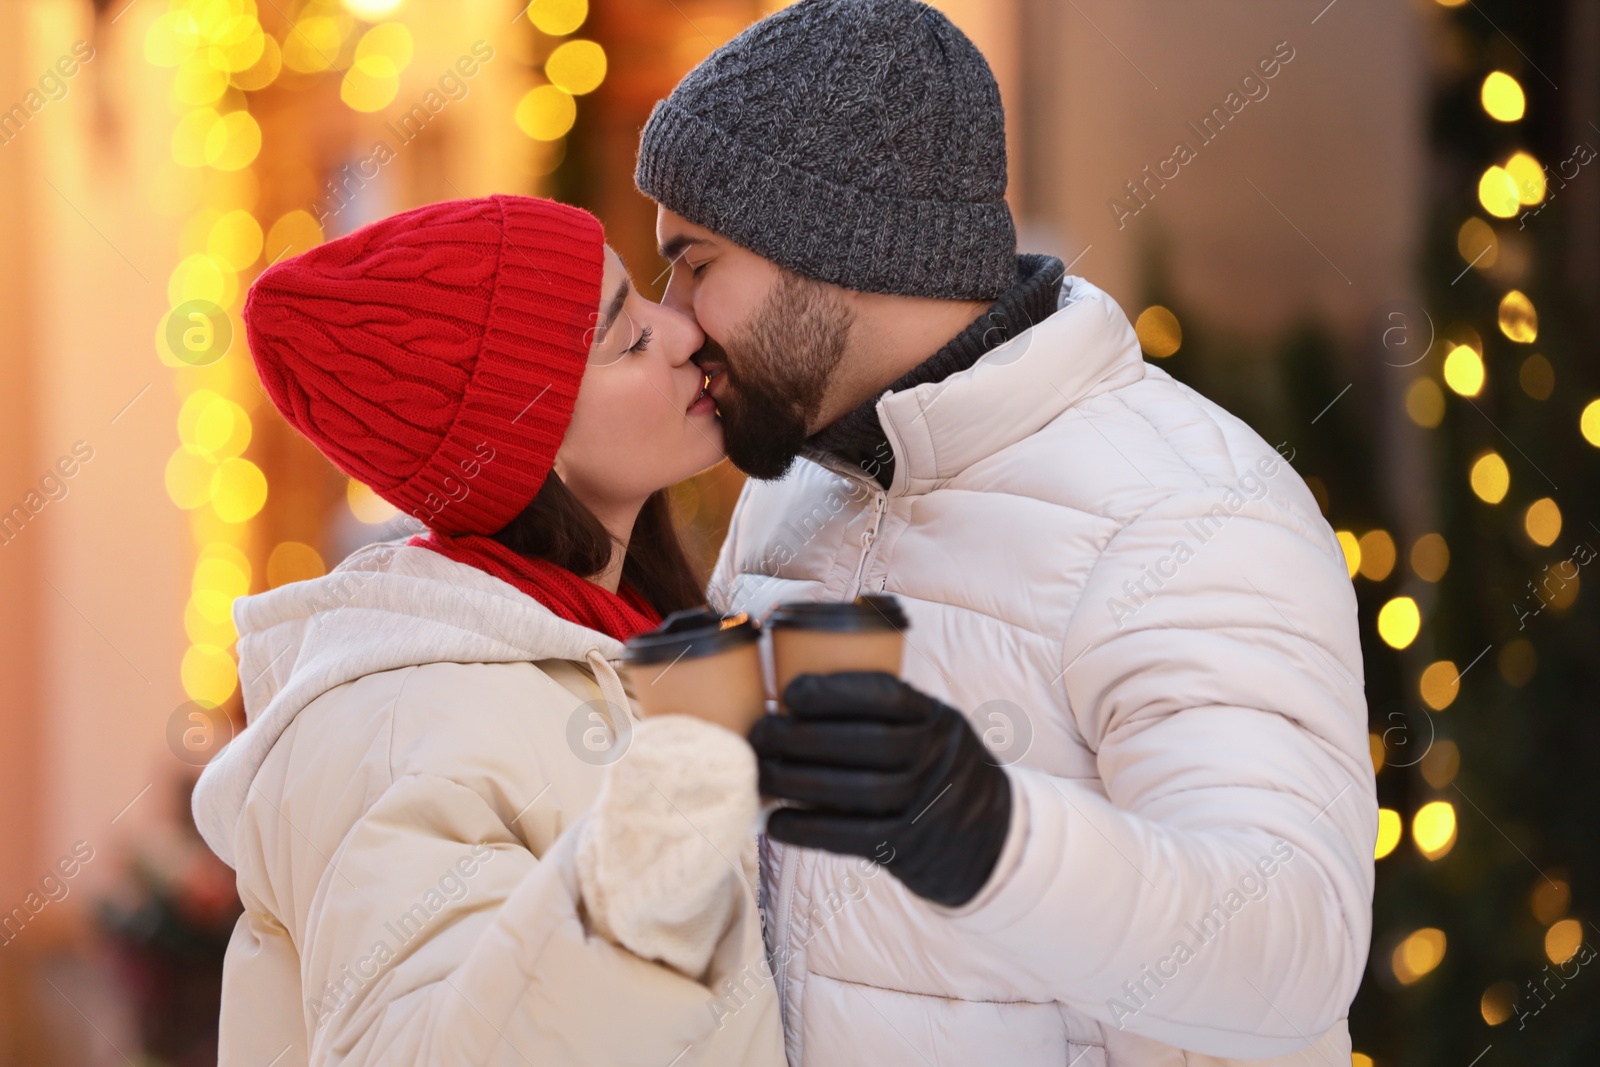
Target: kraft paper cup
[[699, 663], [866, 634]]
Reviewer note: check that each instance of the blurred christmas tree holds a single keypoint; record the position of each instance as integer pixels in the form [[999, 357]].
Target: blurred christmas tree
[[1457, 467]]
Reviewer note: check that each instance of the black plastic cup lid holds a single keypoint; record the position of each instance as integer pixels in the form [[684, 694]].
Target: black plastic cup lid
[[689, 633], [870, 612]]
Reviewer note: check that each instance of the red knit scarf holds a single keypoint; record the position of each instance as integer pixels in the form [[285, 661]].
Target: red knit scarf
[[557, 588]]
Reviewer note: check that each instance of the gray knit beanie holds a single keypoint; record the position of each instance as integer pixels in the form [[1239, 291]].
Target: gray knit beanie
[[859, 142]]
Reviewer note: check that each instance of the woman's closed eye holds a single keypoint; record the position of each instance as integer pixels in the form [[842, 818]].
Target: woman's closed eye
[[642, 343]]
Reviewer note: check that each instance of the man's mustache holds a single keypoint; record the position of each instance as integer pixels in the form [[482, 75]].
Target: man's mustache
[[710, 352]]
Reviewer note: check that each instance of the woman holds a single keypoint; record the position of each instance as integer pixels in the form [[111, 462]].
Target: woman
[[452, 843]]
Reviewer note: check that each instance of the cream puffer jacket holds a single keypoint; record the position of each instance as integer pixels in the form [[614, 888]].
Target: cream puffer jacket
[[1137, 603], [432, 792]]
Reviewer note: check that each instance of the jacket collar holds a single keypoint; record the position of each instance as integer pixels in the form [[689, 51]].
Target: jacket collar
[[939, 429], [857, 436]]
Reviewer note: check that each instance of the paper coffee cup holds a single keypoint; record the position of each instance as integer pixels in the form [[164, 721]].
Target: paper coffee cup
[[866, 634], [699, 663]]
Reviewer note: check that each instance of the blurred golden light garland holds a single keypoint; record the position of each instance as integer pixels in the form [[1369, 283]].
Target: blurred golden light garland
[[1504, 189], [219, 51], [546, 113]]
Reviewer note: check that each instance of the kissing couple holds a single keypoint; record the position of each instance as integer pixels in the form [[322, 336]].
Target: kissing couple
[[1065, 834]]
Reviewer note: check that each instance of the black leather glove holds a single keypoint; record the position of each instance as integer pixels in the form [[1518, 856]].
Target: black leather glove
[[889, 773]]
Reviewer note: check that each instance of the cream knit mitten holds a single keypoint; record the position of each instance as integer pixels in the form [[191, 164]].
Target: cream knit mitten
[[661, 853]]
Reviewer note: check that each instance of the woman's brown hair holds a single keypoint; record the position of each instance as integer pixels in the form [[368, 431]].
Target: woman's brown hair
[[556, 527]]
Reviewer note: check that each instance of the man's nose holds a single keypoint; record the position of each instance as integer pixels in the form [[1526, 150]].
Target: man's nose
[[677, 297], [690, 337]]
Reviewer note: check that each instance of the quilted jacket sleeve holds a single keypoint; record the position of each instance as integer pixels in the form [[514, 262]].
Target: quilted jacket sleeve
[[1217, 898], [436, 937]]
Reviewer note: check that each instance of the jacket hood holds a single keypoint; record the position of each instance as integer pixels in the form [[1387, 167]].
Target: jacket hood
[[387, 606]]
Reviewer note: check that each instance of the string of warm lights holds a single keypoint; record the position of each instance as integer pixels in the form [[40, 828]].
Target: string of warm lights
[[573, 68], [221, 55], [218, 52], [1505, 189]]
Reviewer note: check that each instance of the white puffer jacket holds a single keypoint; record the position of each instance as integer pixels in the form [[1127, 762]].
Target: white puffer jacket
[[1136, 600], [416, 812]]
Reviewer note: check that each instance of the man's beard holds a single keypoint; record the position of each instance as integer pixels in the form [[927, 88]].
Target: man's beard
[[777, 366]]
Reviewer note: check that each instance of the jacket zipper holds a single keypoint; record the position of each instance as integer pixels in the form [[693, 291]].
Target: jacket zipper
[[782, 936], [879, 505], [787, 864]]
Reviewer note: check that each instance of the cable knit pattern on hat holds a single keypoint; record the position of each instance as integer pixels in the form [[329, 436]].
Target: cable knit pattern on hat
[[859, 142], [436, 355]]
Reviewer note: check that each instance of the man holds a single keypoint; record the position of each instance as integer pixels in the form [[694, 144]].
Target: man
[[1167, 845]]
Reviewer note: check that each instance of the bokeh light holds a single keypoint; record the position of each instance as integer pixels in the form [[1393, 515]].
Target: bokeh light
[[1542, 521], [1425, 403], [1439, 684], [312, 44], [558, 17], [1477, 243], [233, 141], [1517, 661], [1549, 900], [208, 619], [293, 561], [1418, 954], [1440, 763], [546, 113], [362, 90], [385, 49], [1497, 1001], [1528, 175], [1350, 545], [1497, 192], [1561, 941], [190, 136], [292, 234], [222, 568], [1490, 478], [577, 67], [188, 477], [1158, 331], [1502, 97], [1463, 371], [1433, 828], [238, 490], [1518, 319], [208, 673], [1537, 377], [372, 10], [1390, 829], [1589, 423], [1399, 621], [366, 505], [264, 71], [1430, 557], [221, 429], [235, 241], [201, 277], [1377, 555], [198, 81]]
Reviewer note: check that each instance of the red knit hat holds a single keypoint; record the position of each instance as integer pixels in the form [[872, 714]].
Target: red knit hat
[[436, 355]]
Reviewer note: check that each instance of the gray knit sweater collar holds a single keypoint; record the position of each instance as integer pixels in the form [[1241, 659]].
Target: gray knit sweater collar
[[857, 437]]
